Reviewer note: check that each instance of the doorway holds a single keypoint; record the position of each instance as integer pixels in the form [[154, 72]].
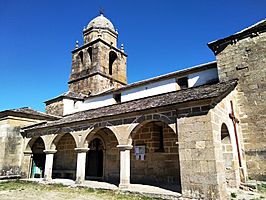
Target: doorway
[[38, 159], [94, 160]]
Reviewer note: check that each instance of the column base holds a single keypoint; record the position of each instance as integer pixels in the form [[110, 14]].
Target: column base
[[124, 186], [47, 179], [78, 181]]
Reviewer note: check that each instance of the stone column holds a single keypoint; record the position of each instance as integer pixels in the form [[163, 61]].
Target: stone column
[[26, 165], [81, 164], [48, 170], [124, 165]]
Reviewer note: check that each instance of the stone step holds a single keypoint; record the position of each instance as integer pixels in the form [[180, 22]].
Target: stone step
[[249, 186]]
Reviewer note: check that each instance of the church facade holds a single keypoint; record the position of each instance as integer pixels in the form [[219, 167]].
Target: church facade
[[197, 131]]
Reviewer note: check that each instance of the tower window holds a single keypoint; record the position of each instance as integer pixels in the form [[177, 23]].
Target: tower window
[[183, 82], [90, 54], [81, 57], [112, 58]]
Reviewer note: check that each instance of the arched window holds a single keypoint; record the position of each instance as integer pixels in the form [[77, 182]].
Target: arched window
[[112, 58], [80, 57], [90, 54]]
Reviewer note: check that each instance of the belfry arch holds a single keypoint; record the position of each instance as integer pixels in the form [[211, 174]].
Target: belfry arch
[[112, 58]]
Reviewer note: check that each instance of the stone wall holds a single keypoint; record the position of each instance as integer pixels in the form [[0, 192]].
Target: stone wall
[[160, 165], [226, 141], [246, 60], [104, 34], [119, 66], [55, 108], [198, 159], [11, 143], [65, 159], [94, 84]]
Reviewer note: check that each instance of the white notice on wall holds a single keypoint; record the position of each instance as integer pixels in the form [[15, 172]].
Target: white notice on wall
[[140, 152]]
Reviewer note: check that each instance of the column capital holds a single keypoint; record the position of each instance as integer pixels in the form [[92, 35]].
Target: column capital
[[50, 151], [82, 150], [123, 147]]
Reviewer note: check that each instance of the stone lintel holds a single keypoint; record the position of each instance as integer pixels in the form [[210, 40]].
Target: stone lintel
[[82, 150], [123, 147], [50, 151]]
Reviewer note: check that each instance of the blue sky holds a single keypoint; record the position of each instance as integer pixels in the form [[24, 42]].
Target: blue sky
[[37, 38]]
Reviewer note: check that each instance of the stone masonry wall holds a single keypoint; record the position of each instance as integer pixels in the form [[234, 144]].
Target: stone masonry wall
[[11, 143], [160, 166], [55, 108], [200, 176], [119, 66], [246, 60], [93, 84], [65, 159], [220, 119], [98, 33]]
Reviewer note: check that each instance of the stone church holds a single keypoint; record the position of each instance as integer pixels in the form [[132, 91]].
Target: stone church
[[197, 131]]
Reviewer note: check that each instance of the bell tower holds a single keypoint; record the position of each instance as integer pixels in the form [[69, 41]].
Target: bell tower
[[98, 65]]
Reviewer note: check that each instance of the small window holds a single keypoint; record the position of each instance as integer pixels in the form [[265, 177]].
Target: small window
[[117, 97], [183, 82]]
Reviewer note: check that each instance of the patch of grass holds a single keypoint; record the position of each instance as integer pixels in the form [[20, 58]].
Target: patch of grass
[[233, 195], [13, 185], [90, 190], [101, 191], [262, 188], [108, 194], [122, 196]]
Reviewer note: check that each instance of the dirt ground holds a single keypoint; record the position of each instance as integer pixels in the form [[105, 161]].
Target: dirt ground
[[44, 195], [24, 190], [33, 191]]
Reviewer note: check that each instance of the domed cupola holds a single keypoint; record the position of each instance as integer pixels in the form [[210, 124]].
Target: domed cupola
[[101, 22], [100, 27]]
